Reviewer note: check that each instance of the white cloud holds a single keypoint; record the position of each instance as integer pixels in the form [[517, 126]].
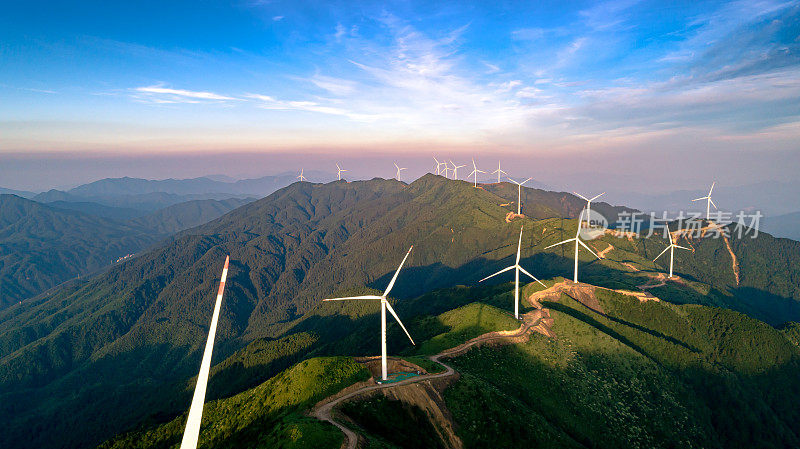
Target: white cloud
[[160, 94]]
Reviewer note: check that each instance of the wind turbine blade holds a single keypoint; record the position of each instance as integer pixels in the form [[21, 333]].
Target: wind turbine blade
[[353, 297], [559, 243], [682, 247], [661, 253], [530, 275], [576, 193], [192, 432], [712, 188], [391, 310], [701, 198], [499, 272], [394, 278], [597, 196], [587, 247], [523, 182], [712, 203]]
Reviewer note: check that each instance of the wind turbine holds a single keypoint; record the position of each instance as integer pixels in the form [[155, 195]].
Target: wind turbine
[[578, 241], [192, 431], [300, 176], [398, 170], [589, 205], [384, 306], [455, 169], [517, 269], [339, 171], [709, 202], [519, 193], [498, 171], [475, 172], [438, 165], [671, 249]]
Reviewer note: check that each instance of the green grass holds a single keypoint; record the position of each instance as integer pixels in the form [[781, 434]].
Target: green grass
[[425, 363], [646, 375], [269, 415], [464, 323]]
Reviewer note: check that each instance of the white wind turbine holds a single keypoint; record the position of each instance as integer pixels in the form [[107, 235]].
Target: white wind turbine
[[671, 249], [455, 169], [446, 169], [192, 431], [438, 165], [398, 170], [709, 202], [475, 172], [589, 205], [519, 193], [499, 171], [384, 306], [300, 176], [578, 241], [517, 269], [339, 171]]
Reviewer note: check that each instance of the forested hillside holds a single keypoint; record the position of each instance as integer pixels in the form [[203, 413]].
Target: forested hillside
[[129, 339]]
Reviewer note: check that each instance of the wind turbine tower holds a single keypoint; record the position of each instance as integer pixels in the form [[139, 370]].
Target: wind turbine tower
[[709, 201], [499, 171], [517, 269], [384, 307], [192, 431], [475, 172], [671, 249], [578, 241], [519, 193]]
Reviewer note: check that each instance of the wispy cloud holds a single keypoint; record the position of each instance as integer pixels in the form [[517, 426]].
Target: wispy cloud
[[163, 95]]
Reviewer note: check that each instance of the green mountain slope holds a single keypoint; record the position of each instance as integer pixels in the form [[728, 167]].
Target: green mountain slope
[[189, 214], [129, 339], [619, 373], [41, 247]]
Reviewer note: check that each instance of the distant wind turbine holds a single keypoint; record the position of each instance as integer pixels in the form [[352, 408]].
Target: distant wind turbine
[[671, 249], [577, 241], [446, 169], [339, 171], [438, 166], [709, 202], [384, 306], [398, 170], [455, 169], [192, 431], [499, 171], [519, 193], [589, 205], [517, 269], [475, 172], [300, 176]]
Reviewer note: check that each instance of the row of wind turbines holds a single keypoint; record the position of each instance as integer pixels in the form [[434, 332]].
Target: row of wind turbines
[[192, 429]]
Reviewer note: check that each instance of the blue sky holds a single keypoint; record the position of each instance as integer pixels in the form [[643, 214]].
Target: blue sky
[[539, 78]]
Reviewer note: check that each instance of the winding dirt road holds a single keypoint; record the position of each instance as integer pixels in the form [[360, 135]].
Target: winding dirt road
[[323, 409]]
